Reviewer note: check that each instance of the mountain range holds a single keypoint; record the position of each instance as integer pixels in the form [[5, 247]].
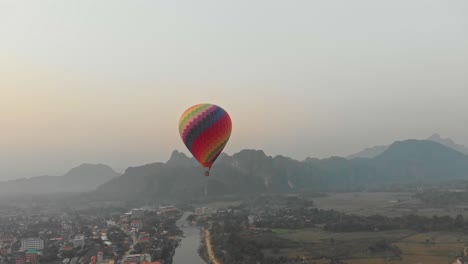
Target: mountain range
[[84, 178], [409, 162], [399, 165], [377, 150]]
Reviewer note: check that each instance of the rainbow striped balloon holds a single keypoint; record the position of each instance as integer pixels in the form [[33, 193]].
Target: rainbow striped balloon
[[205, 130]]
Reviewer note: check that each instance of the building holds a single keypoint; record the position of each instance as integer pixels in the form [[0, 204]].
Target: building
[[67, 249], [125, 227], [125, 218], [155, 262], [31, 256], [66, 226], [137, 224], [199, 211], [7, 239], [32, 243], [111, 223], [137, 259], [79, 241], [20, 259], [74, 260], [4, 251], [167, 210], [100, 257], [204, 211], [145, 258], [143, 237], [132, 259]]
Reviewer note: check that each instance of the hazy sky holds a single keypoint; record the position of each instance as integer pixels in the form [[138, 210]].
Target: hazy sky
[[106, 81]]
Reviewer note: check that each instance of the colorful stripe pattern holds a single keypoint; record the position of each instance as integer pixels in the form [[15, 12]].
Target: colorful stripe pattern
[[205, 130]]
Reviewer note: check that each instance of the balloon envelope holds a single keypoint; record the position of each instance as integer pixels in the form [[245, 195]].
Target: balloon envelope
[[205, 130]]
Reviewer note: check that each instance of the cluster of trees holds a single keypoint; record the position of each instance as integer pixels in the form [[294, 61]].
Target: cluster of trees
[[279, 201], [117, 237], [295, 218], [34, 229], [443, 197], [339, 222], [49, 254], [352, 223], [154, 224], [9, 225], [385, 246], [233, 244], [160, 227]]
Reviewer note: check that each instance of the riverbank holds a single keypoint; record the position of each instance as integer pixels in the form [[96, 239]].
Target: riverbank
[[187, 251], [209, 248]]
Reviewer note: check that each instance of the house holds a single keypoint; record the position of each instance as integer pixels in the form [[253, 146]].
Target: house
[[204, 211], [143, 237], [7, 239], [137, 224], [79, 241], [132, 259], [67, 226], [32, 243], [21, 259], [154, 262], [111, 223], [167, 210], [32, 256], [5, 251], [145, 258]]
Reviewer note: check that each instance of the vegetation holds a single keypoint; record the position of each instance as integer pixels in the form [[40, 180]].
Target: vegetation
[[404, 165], [339, 222], [443, 197], [286, 229]]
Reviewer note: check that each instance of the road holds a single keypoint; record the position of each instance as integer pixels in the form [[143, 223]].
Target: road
[[209, 248], [134, 242]]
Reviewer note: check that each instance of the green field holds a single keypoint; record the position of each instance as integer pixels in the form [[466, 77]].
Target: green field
[[431, 247], [319, 235], [384, 203], [353, 247]]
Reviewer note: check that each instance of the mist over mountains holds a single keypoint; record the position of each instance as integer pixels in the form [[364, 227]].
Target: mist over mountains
[[83, 178], [402, 164], [373, 152], [409, 162]]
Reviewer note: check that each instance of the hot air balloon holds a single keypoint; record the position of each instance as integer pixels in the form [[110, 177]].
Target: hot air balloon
[[205, 130]]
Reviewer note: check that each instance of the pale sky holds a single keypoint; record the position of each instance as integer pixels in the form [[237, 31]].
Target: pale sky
[[106, 81]]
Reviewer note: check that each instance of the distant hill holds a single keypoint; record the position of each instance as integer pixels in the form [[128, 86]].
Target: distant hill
[[252, 172], [421, 161], [368, 153], [83, 178], [373, 152], [449, 143]]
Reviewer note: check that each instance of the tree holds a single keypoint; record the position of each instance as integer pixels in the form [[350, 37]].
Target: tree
[[191, 217], [459, 221]]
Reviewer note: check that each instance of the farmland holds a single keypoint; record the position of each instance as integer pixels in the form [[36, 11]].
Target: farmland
[[353, 247], [385, 203]]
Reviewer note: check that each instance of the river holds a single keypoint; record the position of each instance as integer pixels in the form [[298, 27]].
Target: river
[[187, 252]]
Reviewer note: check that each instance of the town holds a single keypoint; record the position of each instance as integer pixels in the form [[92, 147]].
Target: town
[[45, 235], [267, 229]]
